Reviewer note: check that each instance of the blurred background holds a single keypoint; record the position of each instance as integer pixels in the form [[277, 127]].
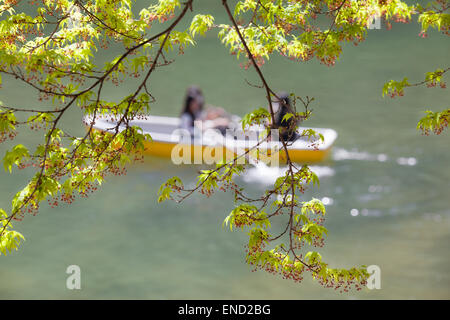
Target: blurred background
[[386, 186]]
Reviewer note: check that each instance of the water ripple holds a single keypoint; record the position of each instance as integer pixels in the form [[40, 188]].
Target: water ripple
[[340, 154]]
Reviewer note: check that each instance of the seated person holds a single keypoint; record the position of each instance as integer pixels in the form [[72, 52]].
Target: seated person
[[212, 117], [217, 118], [192, 110], [282, 106]]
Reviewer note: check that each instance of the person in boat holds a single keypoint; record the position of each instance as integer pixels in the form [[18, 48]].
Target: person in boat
[[192, 109], [287, 127], [217, 118]]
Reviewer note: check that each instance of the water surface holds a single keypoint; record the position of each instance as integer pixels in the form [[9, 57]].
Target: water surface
[[386, 185]]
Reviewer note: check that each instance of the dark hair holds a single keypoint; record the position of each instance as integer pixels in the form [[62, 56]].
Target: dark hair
[[285, 107], [193, 93]]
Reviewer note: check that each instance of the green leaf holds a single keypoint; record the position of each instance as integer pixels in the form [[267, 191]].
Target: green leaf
[[15, 156]]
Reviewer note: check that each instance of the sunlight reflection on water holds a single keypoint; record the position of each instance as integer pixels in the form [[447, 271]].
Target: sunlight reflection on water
[[265, 176], [340, 154]]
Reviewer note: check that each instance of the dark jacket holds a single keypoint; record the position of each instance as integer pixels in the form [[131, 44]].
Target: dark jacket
[[287, 127]]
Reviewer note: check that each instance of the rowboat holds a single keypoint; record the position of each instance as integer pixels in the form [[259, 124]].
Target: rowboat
[[209, 146]]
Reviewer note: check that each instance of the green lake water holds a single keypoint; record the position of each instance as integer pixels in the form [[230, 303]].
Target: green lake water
[[386, 185]]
